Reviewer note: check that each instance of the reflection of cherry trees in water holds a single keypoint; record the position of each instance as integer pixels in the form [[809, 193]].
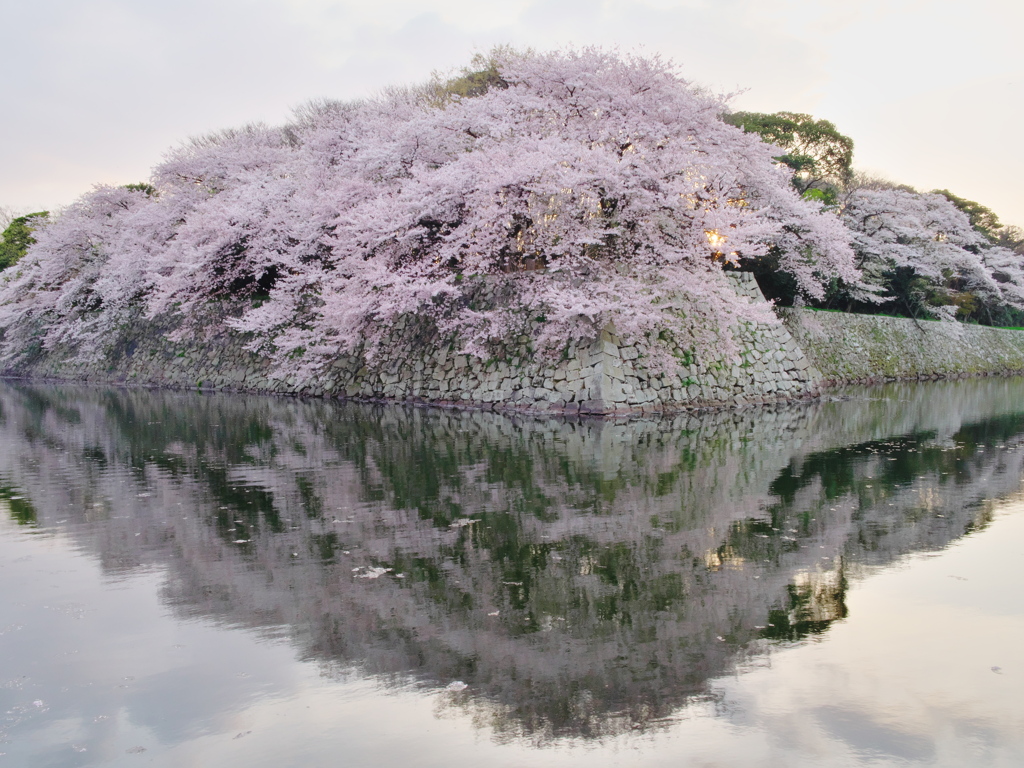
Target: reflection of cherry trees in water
[[580, 577]]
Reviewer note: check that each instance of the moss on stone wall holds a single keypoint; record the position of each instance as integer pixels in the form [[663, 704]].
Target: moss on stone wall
[[846, 347], [781, 362]]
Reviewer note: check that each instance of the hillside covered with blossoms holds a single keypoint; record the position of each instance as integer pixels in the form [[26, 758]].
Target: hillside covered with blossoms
[[580, 188]]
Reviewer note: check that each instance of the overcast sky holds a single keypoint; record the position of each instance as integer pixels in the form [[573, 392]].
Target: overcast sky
[[96, 91]]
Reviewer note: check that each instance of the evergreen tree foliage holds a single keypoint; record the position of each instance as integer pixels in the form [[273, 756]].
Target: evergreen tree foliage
[[17, 237]]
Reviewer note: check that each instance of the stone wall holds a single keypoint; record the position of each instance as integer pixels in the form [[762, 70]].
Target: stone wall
[[858, 348], [603, 376], [779, 362]]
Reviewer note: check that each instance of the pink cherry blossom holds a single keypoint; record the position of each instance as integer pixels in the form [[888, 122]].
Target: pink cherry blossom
[[594, 188]]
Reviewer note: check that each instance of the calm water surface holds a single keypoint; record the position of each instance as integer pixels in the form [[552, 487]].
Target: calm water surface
[[207, 580]]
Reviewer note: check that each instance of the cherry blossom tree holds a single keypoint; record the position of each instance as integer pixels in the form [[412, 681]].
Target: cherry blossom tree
[[578, 188], [921, 252], [87, 269], [588, 189]]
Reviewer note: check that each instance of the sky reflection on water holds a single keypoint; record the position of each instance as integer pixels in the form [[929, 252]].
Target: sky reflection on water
[[217, 580]]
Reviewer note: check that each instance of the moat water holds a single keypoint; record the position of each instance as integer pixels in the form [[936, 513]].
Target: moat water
[[229, 580]]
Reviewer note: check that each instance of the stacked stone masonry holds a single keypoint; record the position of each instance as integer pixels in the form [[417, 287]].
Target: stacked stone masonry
[[869, 348], [776, 362]]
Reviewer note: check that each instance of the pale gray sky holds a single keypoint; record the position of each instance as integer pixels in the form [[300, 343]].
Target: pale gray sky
[[95, 91]]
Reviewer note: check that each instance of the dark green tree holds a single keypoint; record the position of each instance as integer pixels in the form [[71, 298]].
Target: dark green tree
[[16, 239], [473, 80], [148, 189], [820, 156]]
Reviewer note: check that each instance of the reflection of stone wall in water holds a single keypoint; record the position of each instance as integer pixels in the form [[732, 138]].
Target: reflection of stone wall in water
[[581, 576]]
